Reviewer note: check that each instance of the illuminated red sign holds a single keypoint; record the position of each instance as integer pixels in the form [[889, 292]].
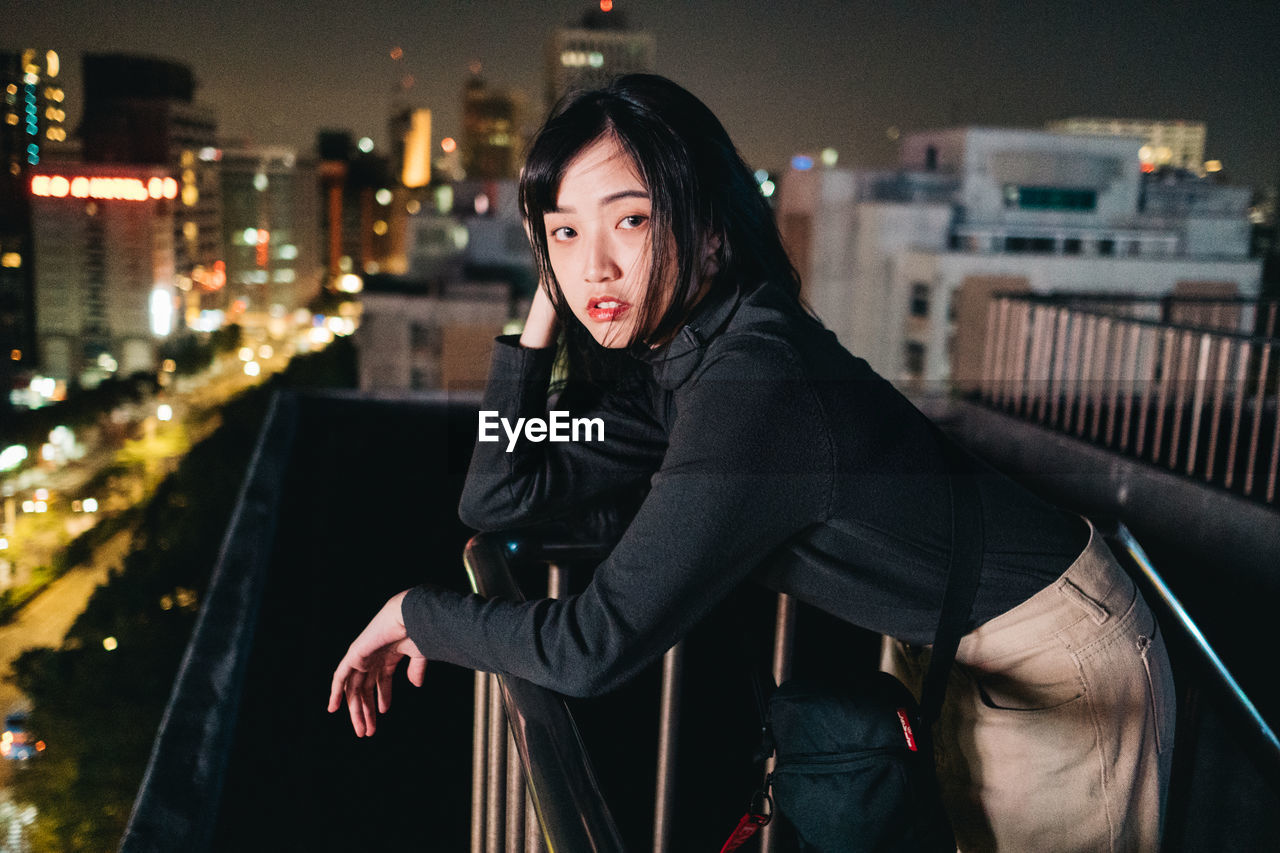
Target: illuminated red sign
[[103, 188]]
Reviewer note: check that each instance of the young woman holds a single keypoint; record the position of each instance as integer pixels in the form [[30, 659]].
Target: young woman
[[772, 453]]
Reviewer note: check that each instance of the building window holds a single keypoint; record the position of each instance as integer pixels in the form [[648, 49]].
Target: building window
[[1071, 246], [914, 358], [1043, 245], [1106, 247], [1050, 198], [1015, 244], [919, 299]]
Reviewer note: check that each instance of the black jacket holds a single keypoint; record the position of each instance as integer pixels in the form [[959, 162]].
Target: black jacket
[[770, 451]]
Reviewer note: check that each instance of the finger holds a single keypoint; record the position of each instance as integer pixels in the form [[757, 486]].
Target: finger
[[417, 671], [368, 706], [338, 687], [384, 689], [353, 706]]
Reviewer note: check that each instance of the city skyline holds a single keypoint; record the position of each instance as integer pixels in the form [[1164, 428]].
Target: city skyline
[[808, 76]]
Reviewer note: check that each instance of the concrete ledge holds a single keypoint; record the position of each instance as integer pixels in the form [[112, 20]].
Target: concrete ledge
[[1215, 527]]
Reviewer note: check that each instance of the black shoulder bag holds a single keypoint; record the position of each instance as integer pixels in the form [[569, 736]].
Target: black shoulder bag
[[854, 769]]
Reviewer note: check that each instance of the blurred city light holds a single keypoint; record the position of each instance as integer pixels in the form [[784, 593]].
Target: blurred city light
[[252, 368], [246, 353], [110, 644], [164, 412], [830, 157], [801, 163], [161, 312], [266, 351], [383, 197], [350, 283], [12, 456], [90, 504], [4, 543], [365, 144], [767, 188]]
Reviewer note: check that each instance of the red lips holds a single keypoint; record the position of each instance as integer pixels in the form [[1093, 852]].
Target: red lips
[[606, 309]]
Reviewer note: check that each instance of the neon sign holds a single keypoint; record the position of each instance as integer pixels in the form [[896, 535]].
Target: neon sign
[[103, 188]]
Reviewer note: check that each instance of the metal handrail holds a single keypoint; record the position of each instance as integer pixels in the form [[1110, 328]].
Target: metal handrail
[[560, 781], [1177, 619]]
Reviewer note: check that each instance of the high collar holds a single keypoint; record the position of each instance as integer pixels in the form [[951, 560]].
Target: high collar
[[674, 362]]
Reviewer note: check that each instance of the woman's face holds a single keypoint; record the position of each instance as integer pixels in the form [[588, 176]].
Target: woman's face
[[598, 240]]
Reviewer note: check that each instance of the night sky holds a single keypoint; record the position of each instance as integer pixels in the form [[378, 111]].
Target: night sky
[[783, 75]]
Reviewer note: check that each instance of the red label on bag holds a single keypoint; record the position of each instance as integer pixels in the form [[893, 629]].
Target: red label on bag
[[747, 827], [906, 728]]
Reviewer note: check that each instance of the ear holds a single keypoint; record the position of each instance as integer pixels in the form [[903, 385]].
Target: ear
[[710, 257]]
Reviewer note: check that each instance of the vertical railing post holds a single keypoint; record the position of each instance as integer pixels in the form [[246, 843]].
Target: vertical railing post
[[1197, 400], [479, 761], [1219, 390], [515, 797], [1250, 463], [496, 789], [1060, 348], [668, 735], [1130, 385], [1168, 362], [1102, 356], [1237, 412], [1180, 397], [784, 631]]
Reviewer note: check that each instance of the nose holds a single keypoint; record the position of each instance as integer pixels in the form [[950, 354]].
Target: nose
[[600, 264]]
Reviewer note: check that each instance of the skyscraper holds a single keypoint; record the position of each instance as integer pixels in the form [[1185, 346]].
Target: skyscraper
[[34, 115], [271, 207], [490, 131], [142, 110], [598, 48]]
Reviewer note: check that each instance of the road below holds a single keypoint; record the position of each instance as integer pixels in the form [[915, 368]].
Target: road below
[[46, 619]]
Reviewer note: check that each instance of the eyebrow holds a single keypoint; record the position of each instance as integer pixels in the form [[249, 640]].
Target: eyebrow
[[609, 199]]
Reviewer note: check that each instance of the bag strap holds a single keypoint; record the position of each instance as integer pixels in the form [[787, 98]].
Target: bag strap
[[964, 567]]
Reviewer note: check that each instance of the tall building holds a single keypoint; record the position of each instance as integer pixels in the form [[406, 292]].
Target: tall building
[[270, 209], [142, 110], [1166, 144], [357, 190], [105, 295], [411, 146], [599, 48], [33, 127], [491, 143], [901, 264]]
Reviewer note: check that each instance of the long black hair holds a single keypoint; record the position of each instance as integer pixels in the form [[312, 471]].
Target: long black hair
[[705, 203]]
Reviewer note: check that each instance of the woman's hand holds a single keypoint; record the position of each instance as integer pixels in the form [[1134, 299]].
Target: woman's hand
[[541, 326], [367, 667]]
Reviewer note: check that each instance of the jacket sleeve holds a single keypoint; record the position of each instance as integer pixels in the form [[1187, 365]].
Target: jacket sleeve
[[510, 485], [748, 467]]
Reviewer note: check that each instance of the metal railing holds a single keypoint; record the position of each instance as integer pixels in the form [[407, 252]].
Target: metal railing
[[1194, 390], [533, 786], [561, 790]]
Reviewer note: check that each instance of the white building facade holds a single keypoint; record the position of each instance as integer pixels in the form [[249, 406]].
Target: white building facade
[[105, 297], [901, 264]]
